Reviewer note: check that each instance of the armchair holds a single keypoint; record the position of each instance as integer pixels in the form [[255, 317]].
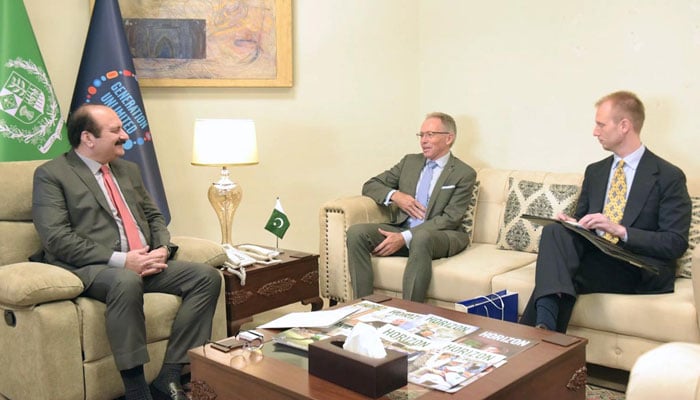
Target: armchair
[[53, 343]]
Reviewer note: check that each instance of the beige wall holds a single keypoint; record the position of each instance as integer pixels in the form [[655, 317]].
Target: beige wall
[[520, 78], [354, 92]]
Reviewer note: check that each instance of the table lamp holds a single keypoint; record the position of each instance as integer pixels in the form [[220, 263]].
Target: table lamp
[[224, 142]]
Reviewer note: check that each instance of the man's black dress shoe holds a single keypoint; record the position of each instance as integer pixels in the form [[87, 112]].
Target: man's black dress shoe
[[175, 392]]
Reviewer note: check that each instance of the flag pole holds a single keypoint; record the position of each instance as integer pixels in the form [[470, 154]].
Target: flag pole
[[277, 238]]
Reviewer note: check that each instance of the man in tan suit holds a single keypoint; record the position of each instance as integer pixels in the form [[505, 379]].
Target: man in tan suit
[[119, 253], [428, 194]]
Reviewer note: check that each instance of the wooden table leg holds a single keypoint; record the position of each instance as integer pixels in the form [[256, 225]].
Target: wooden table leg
[[316, 303], [233, 327]]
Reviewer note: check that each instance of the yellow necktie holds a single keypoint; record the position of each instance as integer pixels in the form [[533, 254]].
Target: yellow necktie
[[615, 206]]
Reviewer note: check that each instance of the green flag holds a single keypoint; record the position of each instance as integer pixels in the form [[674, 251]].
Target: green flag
[[31, 125], [278, 222]]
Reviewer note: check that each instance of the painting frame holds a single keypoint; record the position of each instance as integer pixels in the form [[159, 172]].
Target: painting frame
[[283, 58]]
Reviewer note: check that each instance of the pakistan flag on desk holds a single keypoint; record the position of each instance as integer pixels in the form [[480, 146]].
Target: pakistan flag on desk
[[31, 126], [278, 222]]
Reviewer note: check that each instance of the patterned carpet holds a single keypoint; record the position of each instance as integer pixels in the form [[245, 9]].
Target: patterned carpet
[[598, 393]]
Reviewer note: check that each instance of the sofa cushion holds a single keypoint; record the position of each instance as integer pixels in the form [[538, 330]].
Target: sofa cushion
[[670, 371], [160, 310], [685, 263], [468, 221], [536, 198], [16, 181], [30, 283], [645, 316], [19, 241], [462, 276], [624, 314]]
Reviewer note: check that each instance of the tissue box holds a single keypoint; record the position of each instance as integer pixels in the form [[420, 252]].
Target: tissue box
[[372, 377]]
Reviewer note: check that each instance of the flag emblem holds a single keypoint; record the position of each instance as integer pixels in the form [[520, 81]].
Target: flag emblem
[[22, 99], [27, 99], [278, 223], [31, 124]]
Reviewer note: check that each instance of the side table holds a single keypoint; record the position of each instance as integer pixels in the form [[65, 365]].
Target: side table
[[270, 286]]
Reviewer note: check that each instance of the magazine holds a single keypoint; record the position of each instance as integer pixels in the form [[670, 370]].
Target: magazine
[[436, 327], [299, 338], [401, 340], [493, 342], [395, 316], [367, 311], [429, 326], [451, 366], [496, 342]]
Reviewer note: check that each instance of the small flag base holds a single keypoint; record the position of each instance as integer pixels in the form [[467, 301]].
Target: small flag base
[[277, 246]]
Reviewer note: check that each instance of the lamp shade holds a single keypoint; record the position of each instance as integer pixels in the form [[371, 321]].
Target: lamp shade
[[224, 142]]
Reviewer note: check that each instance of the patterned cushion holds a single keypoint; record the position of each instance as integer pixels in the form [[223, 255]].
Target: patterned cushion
[[685, 263], [536, 198], [468, 221]]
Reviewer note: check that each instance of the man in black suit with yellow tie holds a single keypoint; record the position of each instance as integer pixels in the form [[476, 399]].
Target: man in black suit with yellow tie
[[114, 238], [633, 198], [428, 194]]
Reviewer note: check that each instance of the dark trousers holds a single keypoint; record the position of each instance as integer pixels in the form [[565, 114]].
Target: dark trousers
[[425, 246], [569, 265], [122, 291]]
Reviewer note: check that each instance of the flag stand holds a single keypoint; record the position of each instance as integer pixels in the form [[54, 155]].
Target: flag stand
[[277, 245]]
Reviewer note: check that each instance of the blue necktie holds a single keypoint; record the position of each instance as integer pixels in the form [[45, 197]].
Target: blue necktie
[[423, 191]]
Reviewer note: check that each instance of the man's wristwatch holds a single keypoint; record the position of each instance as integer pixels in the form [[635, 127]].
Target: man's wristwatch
[[167, 249]]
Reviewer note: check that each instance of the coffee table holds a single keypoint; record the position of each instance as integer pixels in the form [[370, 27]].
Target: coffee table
[[545, 371], [270, 286]]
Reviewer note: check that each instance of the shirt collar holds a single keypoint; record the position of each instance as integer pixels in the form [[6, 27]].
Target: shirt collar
[[632, 160], [442, 161], [93, 165]]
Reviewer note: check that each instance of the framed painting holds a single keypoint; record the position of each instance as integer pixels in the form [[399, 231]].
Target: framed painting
[[210, 43]]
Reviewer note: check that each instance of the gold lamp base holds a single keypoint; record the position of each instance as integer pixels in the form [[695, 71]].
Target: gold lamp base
[[225, 196]]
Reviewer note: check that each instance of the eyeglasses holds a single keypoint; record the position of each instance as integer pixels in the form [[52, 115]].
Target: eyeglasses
[[430, 134]]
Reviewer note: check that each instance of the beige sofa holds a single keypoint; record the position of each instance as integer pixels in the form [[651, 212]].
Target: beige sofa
[[619, 327], [670, 371], [53, 344]]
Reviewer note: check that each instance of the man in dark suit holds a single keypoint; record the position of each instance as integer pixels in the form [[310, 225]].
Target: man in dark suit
[[120, 253], [428, 194], [655, 212]]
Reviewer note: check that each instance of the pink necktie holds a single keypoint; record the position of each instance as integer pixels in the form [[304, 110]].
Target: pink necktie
[[130, 228]]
